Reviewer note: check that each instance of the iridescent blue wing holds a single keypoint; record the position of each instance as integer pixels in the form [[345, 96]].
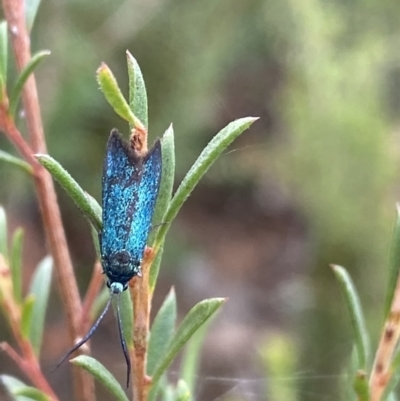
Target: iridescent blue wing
[[121, 181], [130, 190], [146, 200]]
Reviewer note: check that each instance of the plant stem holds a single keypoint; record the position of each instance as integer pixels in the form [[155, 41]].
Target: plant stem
[[30, 366], [381, 370], [141, 311], [14, 13]]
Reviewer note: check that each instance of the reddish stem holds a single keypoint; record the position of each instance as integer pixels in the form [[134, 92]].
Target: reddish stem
[[388, 343], [30, 366], [15, 16], [141, 298]]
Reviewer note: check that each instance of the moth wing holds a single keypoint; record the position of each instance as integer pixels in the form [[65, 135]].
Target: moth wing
[[120, 189], [146, 200]]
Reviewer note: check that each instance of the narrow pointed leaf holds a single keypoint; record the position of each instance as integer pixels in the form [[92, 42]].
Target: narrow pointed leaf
[[23, 77], [90, 208], [137, 90], [6, 157], [162, 331], [3, 233], [211, 152], [32, 393], [40, 288], [394, 266], [109, 87], [126, 316], [95, 238], [182, 392], [3, 57], [31, 8], [190, 359], [27, 313], [196, 317], [96, 208], [19, 391], [100, 373], [356, 315], [16, 262], [154, 269], [167, 182]]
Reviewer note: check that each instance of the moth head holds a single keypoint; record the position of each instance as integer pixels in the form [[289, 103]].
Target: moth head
[[122, 258], [120, 266], [120, 261], [115, 287]]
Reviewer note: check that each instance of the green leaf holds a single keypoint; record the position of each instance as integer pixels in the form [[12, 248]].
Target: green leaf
[[3, 233], [99, 303], [100, 373], [40, 288], [182, 392], [95, 238], [19, 391], [167, 182], [394, 266], [6, 157], [90, 208], [162, 331], [207, 157], [3, 57], [35, 60], [126, 316], [163, 200], [137, 90], [96, 208], [32, 393], [356, 315], [31, 8], [16, 262], [190, 359], [109, 87], [154, 269], [27, 313], [361, 386], [196, 317]]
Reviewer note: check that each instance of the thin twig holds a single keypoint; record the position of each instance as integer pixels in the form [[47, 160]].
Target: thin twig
[[29, 364], [27, 361], [8, 127], [15, 16]]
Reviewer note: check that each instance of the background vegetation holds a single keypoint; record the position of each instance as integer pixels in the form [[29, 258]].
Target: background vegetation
[[314, 182]]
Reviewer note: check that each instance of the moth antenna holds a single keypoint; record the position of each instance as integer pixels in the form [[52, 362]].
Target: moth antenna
[[86, 338], [123, 343]]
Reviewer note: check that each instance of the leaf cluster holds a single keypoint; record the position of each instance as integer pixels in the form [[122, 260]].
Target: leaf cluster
[[166, 338]]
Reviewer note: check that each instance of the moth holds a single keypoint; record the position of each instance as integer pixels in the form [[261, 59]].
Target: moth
[[130, 188]]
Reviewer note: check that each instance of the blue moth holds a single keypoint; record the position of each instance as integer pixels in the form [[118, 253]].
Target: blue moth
[[129, 192]]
